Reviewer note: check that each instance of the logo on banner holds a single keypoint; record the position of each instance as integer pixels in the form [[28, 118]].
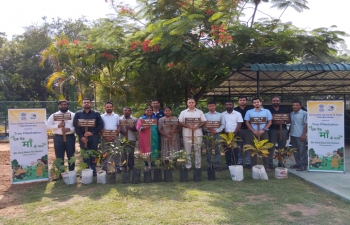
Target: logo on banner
[[321, 108], [330, 108]]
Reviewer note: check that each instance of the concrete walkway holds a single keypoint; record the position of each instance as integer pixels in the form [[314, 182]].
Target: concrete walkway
[[334, 183]]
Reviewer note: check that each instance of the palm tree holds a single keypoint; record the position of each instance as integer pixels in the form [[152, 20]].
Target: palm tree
[[298, 5], [256, 3]]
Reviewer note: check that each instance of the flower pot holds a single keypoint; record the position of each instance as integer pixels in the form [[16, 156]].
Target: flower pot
[[157, 175], [69, 177], [101, 177], [168, 176], [183, 175], [197, 175], [147, 176], [259, 173], [281, 173], [136, 176], [236, 172], [211, 174], [86, 176], [111, 178], [126, 177]]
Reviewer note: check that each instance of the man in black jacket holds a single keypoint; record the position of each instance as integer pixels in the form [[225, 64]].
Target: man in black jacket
[[91, 137]]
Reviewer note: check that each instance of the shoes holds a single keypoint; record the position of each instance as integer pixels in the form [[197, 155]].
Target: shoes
[[267, 169], [248, 166], [225, 168], [301, 168], [294, 167], [218, 169]]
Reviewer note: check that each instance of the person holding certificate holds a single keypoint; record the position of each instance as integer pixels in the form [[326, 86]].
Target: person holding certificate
[[148, 136], [192, 120], [170, 139]]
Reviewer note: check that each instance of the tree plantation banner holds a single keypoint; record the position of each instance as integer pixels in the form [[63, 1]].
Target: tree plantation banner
[[326, 136], [28, 145]]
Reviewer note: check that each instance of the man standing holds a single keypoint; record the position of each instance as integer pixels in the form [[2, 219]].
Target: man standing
[[59, 128], [274, 131], [92, 135], [244, 133], [131, 135], [233, 122], [298, 130], [192, 113], [156, 109], [111, 122], [258, 129], [212, 115]]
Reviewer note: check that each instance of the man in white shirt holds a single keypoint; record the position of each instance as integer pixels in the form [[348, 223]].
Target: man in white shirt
[[63, 127], [194, 113], [131, 135], [111, 122], [233, 123]]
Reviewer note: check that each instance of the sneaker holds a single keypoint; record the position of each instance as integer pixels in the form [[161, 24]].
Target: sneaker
[[218, 169], [300, 168]]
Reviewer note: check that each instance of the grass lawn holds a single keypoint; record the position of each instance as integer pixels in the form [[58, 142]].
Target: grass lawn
[[223, 201]]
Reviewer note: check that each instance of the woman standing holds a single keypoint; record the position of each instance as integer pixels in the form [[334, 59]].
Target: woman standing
[[170, 140], [148, 137]]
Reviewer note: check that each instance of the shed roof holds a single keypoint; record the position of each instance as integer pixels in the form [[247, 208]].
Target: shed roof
[[295, 79]]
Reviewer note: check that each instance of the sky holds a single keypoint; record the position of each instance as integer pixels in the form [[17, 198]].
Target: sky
[[16, 14]]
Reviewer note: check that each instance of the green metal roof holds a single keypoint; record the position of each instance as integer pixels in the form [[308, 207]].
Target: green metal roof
[[286, 79], [300, 67]]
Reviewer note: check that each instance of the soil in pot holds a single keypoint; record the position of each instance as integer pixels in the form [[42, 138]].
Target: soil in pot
[[168, 176], [126, 177], [136, 176], [211, 174], [157, 175], [147, 176], [197, 175], [111, 178], [183, 175]]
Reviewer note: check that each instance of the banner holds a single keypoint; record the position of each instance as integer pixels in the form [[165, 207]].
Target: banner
[[28, 145], [326, 139]]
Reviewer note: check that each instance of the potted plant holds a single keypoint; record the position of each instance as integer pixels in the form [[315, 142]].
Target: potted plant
[[281, 155], [125, 148], [230, 143], [210, 170], [261, 149], [58, 170], [87, 173], [180, 155]]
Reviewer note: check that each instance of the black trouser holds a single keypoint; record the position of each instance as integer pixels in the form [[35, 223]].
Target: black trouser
[[231, 156], [62, 147], [92, 144]]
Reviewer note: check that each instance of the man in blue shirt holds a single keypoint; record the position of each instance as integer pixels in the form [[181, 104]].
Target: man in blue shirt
[[212, 115], [259, 130], [298, 130]]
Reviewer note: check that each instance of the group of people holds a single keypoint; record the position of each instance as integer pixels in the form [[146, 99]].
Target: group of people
[[159, 132]]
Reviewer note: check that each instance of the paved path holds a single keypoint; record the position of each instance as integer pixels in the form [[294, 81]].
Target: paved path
[[335, 183]]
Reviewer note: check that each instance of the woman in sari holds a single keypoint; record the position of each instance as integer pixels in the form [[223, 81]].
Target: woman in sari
[[148, 137], [170, 140]]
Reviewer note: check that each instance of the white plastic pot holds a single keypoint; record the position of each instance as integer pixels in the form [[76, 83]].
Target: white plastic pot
[[101, 177], [236, 172], [69, 177], [281, 173], [259, 173], [86, 176]]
